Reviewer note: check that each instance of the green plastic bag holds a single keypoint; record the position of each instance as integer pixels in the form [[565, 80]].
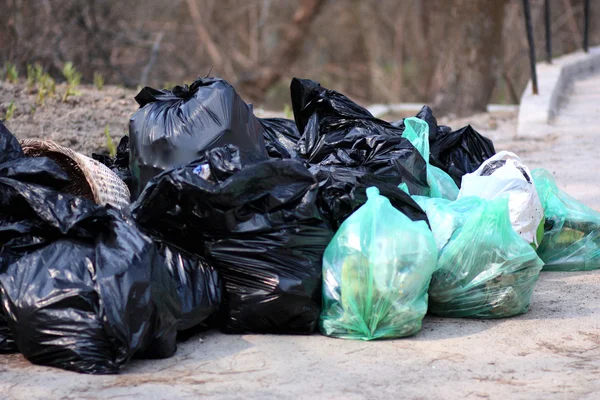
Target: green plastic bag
[[485, 269], [376, 272], [571, 239], [440, 183]]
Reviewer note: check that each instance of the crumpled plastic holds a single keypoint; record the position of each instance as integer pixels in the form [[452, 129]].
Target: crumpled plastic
[[81, 287], [337, 132], [349, 150], [426, 114], [457, 152], [258, 224], [198, 284], [343, 190], [281, 137], [14, 165], [376, 273], [85, 290]]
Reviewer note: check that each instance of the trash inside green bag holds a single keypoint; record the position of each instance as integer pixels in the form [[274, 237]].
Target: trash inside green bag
[[571, 239], [485, 269], [440, 183], [376, 272]]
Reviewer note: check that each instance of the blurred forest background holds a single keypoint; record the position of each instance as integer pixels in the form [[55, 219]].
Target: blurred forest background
[[456, 55]]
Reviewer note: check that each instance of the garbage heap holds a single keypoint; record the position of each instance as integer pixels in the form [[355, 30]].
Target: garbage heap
[[209, 217]]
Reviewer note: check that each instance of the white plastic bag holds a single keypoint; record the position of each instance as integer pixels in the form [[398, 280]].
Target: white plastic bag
[[504, 174]]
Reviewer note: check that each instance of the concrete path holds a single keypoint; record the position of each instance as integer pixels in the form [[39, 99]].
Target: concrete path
[[552, 352], [571, 150]]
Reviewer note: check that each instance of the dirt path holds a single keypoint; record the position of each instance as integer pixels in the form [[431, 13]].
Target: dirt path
[[78, 123]]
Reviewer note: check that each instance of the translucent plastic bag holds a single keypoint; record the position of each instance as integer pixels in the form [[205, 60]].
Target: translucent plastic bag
[[572, 230], [485, 269], [504, 174], [376, 272], [440, 183]]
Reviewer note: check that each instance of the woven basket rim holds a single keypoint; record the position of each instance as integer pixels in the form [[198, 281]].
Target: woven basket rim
[[83, 163], [50, 146]]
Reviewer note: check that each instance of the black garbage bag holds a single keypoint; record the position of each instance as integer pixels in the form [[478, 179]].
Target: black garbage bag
[[92, 299], [281, 137], [9, 146], [337, 132], [435, 130], [89, 298], [460, 152], [173, 128], [120, 164], [349, 150], [260, 227], [343, 190], [7, 342], [81, 288], [198, 286], [14, 165]]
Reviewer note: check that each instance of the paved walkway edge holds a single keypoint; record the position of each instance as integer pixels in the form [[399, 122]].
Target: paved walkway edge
[[536, 111]]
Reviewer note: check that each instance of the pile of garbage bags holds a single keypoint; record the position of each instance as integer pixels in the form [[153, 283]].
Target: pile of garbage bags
[[334, 221], [260, 227], [82, 287]]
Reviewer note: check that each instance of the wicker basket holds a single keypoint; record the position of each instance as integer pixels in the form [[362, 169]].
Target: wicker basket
[[88, 177]]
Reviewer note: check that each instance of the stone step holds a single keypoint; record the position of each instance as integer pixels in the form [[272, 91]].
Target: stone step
[[593, 80]]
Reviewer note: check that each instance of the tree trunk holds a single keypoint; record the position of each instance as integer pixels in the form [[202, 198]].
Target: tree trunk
[[469, 55], [285, 53]]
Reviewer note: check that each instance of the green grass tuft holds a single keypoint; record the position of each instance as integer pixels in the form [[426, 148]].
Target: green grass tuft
[[110, 145]]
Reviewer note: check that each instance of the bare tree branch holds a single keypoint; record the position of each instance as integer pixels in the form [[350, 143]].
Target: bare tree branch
[[576, 34], [203, 35], [152, 61], [287, 50]]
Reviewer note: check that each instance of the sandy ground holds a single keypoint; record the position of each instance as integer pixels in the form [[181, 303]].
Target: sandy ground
[[552, 352]]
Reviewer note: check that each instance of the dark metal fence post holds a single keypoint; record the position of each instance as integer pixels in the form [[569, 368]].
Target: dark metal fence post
[[586, 24], [529, 29], [548, 32]]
